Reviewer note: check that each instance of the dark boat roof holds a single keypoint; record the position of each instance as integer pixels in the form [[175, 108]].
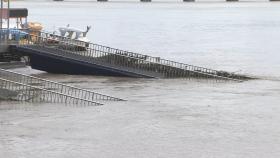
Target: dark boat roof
[[18, 12], [15, 13]]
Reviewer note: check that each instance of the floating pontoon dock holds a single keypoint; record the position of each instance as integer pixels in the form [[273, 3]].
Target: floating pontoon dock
[[57, 54]]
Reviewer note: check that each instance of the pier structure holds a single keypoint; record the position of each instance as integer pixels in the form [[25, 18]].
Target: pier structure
[[4, 15], [20, 87], [7, 14], [57, 54]]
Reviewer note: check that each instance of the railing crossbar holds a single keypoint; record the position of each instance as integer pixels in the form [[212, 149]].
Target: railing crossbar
[[53, 98], [55, 85]]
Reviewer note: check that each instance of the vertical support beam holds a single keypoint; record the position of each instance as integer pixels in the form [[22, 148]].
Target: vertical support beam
[[8, 24], [17, 21], [1, 20]]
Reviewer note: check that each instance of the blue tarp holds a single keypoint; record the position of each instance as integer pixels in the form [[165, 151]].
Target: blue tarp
[[15, 33]]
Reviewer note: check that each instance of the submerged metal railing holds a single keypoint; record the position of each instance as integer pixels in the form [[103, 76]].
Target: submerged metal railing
[[55, 86], [11, 90]]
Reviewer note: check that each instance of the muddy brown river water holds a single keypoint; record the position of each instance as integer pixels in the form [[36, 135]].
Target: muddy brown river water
[[162, 118]]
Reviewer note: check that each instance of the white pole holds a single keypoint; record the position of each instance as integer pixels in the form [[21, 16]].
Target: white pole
[[8, 14], [1, 20]]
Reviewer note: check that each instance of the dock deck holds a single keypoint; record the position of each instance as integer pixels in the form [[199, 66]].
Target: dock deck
[[57, 54]]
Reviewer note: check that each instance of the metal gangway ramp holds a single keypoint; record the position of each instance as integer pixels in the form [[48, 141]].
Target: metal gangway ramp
[[114, 61], [22, 87]]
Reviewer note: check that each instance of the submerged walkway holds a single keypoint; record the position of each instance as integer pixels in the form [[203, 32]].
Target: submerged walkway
[[20, 87], [58, 54]]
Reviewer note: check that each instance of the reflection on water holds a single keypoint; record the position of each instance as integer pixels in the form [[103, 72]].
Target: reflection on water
[[162, 118]]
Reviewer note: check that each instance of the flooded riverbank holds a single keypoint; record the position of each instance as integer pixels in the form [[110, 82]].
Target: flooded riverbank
[[162, 118]]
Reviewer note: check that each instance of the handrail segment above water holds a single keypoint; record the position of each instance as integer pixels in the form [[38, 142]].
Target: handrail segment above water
[[167, 68], [11, 90], [130, 54], [55, 86]]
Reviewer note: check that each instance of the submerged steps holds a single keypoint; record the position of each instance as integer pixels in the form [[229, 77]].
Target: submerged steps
[[29, 88]]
